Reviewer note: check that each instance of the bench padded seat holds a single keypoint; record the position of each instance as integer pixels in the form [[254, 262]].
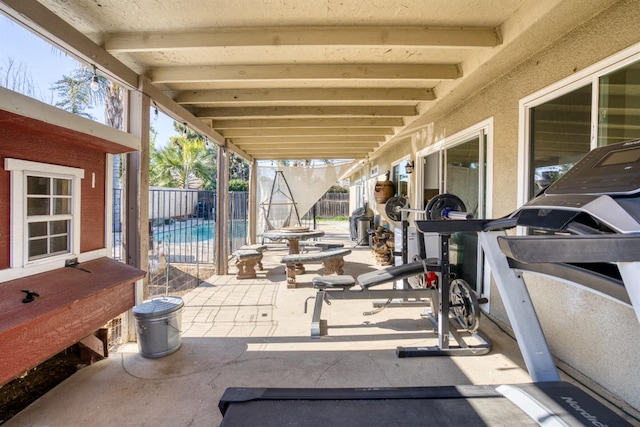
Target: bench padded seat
[[398, 272], [341, 281]]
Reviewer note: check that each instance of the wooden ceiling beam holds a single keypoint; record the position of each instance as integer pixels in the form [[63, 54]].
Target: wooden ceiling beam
[[315, 156], [314, 153], [180, 114], [302, 123], [311, 149], [338, 131], [304, 36], [324, 111], [212, 73], [292, 140], [238, 96]]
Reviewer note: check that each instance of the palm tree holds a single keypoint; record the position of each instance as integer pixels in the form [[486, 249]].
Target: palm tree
[[77, 95], [185, 163]]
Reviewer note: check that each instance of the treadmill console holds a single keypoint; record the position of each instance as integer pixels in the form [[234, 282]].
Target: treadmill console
[[610, 170]]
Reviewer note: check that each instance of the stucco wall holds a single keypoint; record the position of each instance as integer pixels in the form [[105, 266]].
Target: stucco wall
[[595, 336]]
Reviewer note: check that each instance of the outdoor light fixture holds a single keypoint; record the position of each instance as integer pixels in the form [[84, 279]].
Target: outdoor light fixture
[[155, 111], [409, 166], [95, 85]]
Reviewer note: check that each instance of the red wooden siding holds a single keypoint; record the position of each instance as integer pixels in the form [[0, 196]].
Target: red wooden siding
[[72, 304], [29, 139]]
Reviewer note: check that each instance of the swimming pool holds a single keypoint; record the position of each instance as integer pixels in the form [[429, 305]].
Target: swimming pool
[[197, 233]]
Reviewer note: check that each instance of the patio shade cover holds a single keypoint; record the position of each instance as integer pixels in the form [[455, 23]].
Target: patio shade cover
[[304, 186]]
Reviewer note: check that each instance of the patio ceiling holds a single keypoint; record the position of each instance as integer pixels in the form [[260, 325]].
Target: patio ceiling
[[302, 79]]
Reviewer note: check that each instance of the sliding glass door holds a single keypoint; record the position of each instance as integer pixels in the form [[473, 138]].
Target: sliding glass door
[[459, 168]]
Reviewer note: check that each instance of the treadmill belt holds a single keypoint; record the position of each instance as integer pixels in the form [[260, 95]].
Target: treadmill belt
[[469, 405]]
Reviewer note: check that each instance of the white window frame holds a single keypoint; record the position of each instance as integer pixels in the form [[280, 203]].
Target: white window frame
[[590, 75], [399, 162], [20, 169]]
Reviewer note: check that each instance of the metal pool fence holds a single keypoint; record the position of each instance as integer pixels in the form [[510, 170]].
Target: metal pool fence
[[181, 236], [181, 233]]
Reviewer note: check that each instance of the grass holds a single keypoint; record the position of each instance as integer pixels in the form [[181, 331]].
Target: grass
[[337, 218]]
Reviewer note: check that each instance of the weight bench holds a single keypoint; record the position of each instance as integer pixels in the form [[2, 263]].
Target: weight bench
[[339, 287], [463, 304], [332, 260]]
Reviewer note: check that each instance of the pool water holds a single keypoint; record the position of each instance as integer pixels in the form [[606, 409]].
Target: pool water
[[186, 235], [199, 233]]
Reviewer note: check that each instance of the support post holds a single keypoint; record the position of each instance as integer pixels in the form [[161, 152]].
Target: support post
[[253, 203], [135, 233], [222, 212]]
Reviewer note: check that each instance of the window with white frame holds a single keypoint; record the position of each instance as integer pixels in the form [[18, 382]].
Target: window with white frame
[[48, 216], [45, 212], [360, 196], [400, 177], [559, 136], [597, 107]]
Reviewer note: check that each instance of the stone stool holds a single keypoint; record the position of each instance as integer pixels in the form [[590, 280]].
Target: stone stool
[[256, 247], [246, 260]]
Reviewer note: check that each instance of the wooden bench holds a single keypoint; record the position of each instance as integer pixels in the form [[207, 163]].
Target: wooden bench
[[332, 260], [323, 246], [71, 305]]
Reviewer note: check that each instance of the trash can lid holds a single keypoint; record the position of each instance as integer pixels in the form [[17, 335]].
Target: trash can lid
[[158, 306]]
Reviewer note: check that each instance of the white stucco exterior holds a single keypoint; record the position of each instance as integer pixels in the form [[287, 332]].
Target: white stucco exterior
[[597, 337]]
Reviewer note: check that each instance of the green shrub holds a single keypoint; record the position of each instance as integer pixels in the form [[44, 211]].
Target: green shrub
[[337, 189], [237, 184]]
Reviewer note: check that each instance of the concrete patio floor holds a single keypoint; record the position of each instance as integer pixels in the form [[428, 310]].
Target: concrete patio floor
[[254, 333]]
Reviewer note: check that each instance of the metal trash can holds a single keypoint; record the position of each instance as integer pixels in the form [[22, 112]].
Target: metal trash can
[[159, 324], [363, 231]]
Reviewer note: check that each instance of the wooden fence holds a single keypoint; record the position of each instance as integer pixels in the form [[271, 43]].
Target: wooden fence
[[331, 205]]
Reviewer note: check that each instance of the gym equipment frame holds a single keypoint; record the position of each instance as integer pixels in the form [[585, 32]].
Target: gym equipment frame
[[453, 298]]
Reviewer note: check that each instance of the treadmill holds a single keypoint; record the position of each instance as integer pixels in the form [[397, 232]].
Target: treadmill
[[584, 228]]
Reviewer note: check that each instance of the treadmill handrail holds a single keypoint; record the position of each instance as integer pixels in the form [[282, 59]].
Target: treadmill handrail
[[572, 249]]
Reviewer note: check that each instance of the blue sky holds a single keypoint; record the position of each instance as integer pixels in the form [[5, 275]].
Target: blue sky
[[44, 65]]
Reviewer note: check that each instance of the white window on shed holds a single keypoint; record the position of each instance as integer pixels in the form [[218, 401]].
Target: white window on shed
[[49, 215], [45, 212]]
